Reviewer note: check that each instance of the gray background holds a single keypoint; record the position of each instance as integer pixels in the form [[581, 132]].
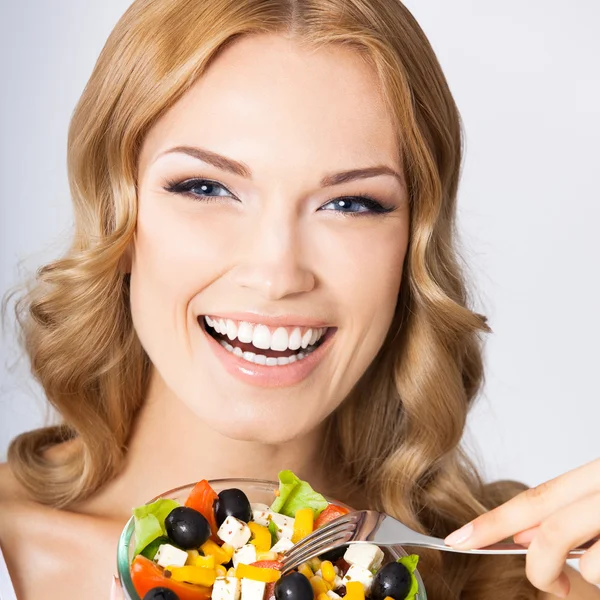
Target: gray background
[[526, 78]]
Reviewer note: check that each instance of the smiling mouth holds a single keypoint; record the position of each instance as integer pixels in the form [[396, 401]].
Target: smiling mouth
[[262, 345]]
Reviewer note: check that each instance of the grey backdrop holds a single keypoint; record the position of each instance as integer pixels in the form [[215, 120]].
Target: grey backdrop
[[526, 78]]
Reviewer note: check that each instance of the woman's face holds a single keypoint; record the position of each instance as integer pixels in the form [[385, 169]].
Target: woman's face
[[251, 233]]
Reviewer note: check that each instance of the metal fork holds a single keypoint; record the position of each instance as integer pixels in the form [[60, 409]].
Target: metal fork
[[383, 530]]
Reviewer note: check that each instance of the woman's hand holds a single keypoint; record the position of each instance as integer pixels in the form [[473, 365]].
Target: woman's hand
[[551, 519]]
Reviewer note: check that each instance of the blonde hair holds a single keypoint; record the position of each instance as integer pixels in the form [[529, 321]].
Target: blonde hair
[[398, 434]]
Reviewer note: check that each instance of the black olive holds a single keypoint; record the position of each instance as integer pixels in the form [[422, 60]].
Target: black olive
[[334, 554], [392, 580], [161, 593], [232, 502], [187, 527], [294, 586]]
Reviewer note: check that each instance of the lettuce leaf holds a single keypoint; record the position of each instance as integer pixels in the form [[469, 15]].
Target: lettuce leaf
[[150, 522], [410, 562], [295, 494]]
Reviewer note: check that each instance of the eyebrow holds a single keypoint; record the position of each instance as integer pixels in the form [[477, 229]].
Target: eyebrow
[[239, 168]]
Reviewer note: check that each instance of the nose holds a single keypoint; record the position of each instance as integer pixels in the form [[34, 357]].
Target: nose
[[272, 261]]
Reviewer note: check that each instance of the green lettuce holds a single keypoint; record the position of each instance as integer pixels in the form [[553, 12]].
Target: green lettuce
[[410, 562], [273, 532], [150, 522], [295, 494]]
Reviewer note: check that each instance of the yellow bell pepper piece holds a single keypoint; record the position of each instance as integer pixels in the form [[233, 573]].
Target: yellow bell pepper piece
[[208, 562], [261, 537], [314, 564], [209, 548], [266, 556], [318, 585], [305, 570], [328, 571], [257, 573], [303, 524], [191, 574], [388, 598], [192, 555], [221, 571], [323, 597], [231, 572], [355, 590]]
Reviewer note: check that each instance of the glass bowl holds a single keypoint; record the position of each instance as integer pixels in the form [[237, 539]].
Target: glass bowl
[[257, 490]]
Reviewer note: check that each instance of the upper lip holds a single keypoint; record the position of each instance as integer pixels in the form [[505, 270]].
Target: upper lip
[[287, 320]]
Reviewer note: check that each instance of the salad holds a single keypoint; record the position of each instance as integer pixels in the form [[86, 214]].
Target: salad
[[223, 547]]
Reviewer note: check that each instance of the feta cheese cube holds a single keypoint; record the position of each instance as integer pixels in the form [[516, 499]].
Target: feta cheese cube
[[260, 514], [367, 556], [244, 555], [234, 532], [338, 582], [253, 590], [168, 555], [356, 573], [333, 595], [283, 545], [226, 588], [285, 525]]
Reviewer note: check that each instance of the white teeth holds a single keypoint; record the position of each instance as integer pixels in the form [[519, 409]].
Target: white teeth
[[223, 326], [237, 351], [260, 359], [295, 339], [209, 321], [307, 337], [231, 329], [249, 356], [314, 337], [261, 337], [279, 339], [271, 361], [283, 360], [292, 358], [245, 332]]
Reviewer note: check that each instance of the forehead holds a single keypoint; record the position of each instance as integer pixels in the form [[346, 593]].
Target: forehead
[[271, 102]]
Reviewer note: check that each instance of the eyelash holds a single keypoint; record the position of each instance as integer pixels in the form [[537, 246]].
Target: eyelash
[[185, 187]]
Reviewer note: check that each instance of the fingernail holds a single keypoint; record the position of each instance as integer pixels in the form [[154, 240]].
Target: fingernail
[[113, 588], [459, 536]]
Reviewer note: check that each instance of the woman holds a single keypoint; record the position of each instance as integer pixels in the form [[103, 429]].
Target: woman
[[279, 177]]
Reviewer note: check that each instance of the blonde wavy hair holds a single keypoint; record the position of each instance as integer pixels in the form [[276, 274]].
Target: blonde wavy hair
[[398, 433]]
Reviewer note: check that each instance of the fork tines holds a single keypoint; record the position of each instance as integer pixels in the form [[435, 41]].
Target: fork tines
[[335, 533]]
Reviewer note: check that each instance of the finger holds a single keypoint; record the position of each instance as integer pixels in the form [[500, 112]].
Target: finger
[[524, 537], [589, 564], [527, 509], [555, 537]]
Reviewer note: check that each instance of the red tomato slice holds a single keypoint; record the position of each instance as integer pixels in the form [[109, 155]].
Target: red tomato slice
[[146, 575], [268, 564], [269, 591], [202, 498], [333, 511]]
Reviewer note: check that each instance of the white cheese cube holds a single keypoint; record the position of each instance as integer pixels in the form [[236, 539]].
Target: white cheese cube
[[285, 525], [367, 556], [244, 555], [260, 514], [332, 595], [283, 545], [338, 582], [356, 573], [168, 555], [234, 532], [226, 588], [253, 590]]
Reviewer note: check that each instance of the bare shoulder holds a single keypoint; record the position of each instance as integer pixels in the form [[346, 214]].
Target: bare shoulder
[[580, 588], [48, 550]]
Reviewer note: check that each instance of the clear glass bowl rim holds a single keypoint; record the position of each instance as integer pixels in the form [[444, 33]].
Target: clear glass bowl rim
[[123, 552]]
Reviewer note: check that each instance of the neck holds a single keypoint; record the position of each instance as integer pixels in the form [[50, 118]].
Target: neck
[[171, 446]]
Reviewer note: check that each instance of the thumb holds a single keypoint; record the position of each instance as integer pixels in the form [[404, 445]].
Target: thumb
[[116, 593]]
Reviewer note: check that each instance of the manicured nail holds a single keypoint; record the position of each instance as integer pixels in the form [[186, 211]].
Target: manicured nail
[[460, 536]]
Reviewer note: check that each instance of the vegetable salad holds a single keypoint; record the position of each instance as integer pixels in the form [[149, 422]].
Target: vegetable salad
[[223, 547]]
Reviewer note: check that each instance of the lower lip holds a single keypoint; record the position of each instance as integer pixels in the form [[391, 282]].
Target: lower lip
[[263, 376]]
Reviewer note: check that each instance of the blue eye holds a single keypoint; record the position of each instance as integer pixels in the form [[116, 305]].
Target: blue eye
[[354, 205], [198, 189]]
